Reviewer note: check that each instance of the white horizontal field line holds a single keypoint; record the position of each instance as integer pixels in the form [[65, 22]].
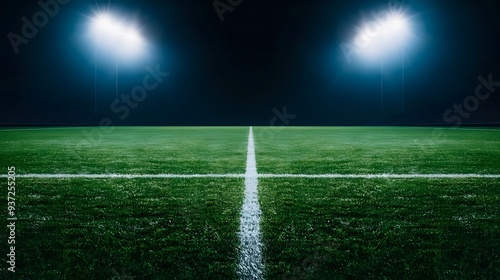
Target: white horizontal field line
[[318, 176], [375, 176], [126, 176]]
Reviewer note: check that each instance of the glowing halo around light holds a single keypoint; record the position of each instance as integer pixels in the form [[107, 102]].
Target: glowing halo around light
[[383, 35], [112, 35]]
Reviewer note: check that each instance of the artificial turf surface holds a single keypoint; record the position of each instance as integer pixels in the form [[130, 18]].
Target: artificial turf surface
[[379, 228], [140, 228], [311, 228], [374, 150], [133, 150], [119, 228]]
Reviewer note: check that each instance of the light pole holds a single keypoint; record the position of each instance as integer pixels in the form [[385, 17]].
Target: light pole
[[388, 33], [116, 79], [114, 37], [381, 89], [95, 82], [402, 80]]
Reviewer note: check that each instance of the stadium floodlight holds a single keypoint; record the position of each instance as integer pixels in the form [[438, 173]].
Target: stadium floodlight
[[396, 23], [115, 38], [380, 39]]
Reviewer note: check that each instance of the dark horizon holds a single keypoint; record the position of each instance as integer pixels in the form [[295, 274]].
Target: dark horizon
[[246, 69]]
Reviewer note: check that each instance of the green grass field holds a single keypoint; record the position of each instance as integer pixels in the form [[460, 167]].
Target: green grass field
[[380, 228], [88, 229], [133, 150], [312, 228], [366, 150]]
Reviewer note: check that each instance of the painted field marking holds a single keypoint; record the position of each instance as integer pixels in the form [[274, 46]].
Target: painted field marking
[[250, 264], [314, 176], [380, 176], [125, 176]]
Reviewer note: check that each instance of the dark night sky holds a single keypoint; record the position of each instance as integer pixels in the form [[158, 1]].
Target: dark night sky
[[264, 55]]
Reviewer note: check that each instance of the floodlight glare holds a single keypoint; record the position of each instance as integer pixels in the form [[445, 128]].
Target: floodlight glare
[[383, 36], [103, 23], [113, 36], [396, 23]]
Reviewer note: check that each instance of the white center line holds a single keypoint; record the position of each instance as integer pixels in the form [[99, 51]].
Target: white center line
[[250, 265]]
